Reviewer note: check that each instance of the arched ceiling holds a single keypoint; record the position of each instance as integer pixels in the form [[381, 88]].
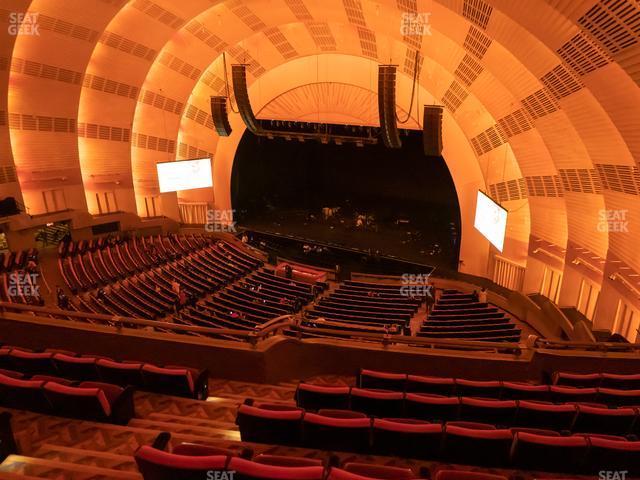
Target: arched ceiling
[[546, 93]]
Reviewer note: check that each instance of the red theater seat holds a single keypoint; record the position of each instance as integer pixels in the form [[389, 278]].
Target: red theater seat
[[315, 397], [379, 471], [179, 381], [466, 475], [614, 396], [434, 408], [498, 412], [613, 421], [583, 380], [195, 449], [613, 455], [248, 470], [32, 362], [336, 434], [287, 461], [11, 373], [477, 446], [478, 388], [339, 474], [92, 401], [156, 464], [77, 368], [120, 373], [382, 380], [524, 391], [572, 394], [433, 385], [23, 394], [536, 414], [621, 381], [555, 454], [263, 425], [377, 403], [406, 438]]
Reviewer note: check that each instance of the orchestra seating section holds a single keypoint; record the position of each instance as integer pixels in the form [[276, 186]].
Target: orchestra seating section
[[364, 307], [457, 315], [20, 278]]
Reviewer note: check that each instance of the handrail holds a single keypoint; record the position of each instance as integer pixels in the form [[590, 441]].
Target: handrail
[[570, 345], [120, 321]]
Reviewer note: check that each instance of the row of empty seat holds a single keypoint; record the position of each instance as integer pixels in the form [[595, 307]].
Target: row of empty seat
[[461, 316], [565, 417], [172, 380], [459, 442]]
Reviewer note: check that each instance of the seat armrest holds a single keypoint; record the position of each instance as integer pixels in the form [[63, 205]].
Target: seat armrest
[[201, 385], [123, 408], [161, 441]]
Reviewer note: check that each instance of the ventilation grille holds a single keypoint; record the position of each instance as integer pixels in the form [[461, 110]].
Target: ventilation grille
[[161, 102], [180, 66], [514, 124], [8, 174], [488, 140], [539, 104], [215, 82], [476, 42], [468, 70], [62, 27], [104, 132], [368, 42], [544, 186], [582, 55], [614, 23], [560, 82], [189, 151], [299, 9], [410, 61], [322, 36], [619, 178], [354, 12], [110, 86], [250, 19], [126, 45], [37, 123], [281, 43], [454, 96], [199, 116], [156, 12], [49, 72], [509, 190], [206, 36], [149, 142], [477, 12], [580, 180], [242, 56]]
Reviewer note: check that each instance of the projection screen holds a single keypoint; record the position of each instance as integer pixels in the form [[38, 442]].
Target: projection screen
[[491, 220], [184, 175]]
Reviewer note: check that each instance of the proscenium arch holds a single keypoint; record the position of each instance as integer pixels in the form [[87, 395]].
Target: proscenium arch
[[457, 152]]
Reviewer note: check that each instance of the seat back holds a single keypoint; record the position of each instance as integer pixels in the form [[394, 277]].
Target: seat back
[[248, 470], [382, 380], [613, 455], [406, 438], [339, 434], [619, 397], [379, 471], [434, 385], [23, 394], [524, 391], [117, 373], [466, 475], [261, 425], [78, 402], [562, 394], [497, 412], [620, 381], [486, 447], [156, 464], [76, 368], [554, 454], [478, 388], [583, 380], [434, 408], [170, 381], [612, 421], [32, 362], [544, 415], [377, 403], [314, 397]]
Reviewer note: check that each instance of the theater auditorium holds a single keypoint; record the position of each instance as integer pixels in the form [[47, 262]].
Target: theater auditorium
[[319, 239]]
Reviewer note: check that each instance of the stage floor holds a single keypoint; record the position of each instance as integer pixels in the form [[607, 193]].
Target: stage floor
[[393, 240]]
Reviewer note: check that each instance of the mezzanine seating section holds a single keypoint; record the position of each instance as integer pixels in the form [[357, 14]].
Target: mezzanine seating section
[[457, 315]]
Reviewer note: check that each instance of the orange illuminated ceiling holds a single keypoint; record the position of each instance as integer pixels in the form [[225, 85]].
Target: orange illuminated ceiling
[[544, 94]]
